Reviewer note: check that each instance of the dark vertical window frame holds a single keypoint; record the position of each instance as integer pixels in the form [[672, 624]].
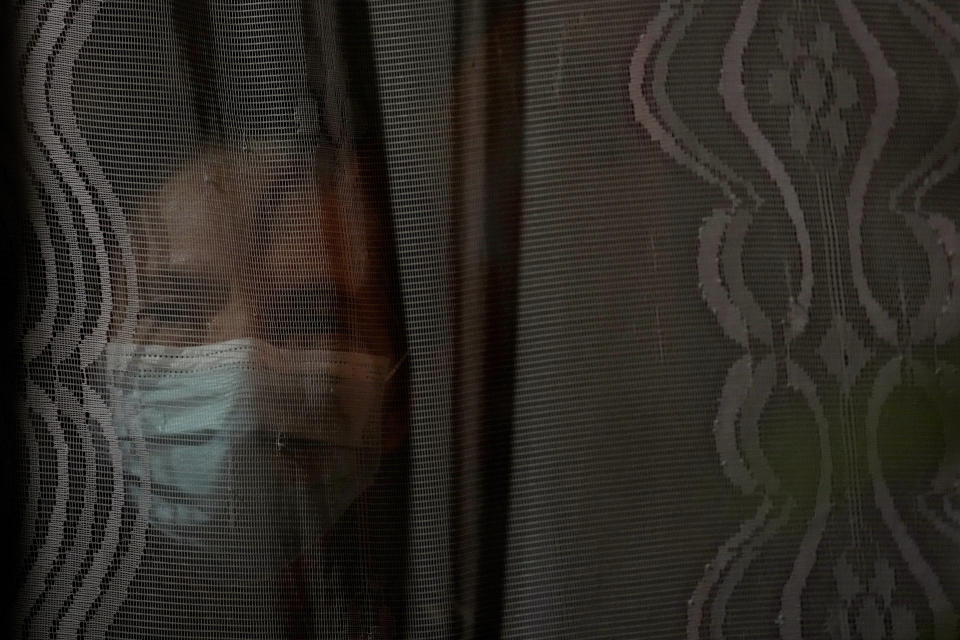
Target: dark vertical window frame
[[190, 20], [13, 211], [368, 142], [488, 189]]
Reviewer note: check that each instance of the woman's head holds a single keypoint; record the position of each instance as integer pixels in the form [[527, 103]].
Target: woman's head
[[271, 265]]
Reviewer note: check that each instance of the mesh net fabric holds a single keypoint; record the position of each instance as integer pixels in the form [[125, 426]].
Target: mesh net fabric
[[736, 409], [221, 362]]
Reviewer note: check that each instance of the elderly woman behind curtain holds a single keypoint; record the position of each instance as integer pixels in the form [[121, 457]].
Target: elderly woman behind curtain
[[259, 395]]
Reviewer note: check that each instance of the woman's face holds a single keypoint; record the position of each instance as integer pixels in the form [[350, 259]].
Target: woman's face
[[235, 247]]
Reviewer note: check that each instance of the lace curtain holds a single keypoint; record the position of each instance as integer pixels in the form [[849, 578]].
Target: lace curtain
[[462, 319]]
